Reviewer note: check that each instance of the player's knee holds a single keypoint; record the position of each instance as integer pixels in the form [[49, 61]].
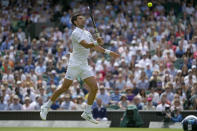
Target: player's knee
[[65, 86], [62, 88]]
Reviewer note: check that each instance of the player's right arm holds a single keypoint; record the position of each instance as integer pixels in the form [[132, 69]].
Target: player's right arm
[[79, 38], [86, 45]]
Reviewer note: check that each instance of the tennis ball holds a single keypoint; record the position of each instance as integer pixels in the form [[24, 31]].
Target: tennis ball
[[150, 4]]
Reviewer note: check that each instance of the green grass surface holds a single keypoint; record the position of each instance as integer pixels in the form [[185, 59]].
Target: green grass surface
[[85, 129]]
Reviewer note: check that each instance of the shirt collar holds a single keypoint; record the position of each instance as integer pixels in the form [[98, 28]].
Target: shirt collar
[[80, 29]]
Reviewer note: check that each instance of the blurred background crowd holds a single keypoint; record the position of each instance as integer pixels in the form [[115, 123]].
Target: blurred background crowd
[[158, 48]]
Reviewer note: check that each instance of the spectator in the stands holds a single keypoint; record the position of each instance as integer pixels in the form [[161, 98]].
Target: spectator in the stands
[[15, 105], [3, 105], [104, 96], [99, 112], [163, 104], [123, 102], [137, 102], [115, 97], [67, 104]]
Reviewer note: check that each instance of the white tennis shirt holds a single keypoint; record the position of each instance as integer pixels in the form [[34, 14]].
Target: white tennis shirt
[[79, 56]]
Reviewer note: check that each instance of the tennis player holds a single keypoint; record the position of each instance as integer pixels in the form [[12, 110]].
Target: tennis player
[[82, 42]]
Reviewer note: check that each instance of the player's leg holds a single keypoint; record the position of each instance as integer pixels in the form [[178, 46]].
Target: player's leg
[[87, 114], [70, 76], [93, 88], [63, 88]]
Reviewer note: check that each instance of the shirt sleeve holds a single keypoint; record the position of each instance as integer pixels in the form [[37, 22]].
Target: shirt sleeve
[[78, 36]]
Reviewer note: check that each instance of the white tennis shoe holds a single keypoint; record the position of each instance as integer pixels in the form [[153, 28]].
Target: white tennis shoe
[[88, 116]]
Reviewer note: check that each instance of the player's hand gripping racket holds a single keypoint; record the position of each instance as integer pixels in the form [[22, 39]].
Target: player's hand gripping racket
[[90, 3]]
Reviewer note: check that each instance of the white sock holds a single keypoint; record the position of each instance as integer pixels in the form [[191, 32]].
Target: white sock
[[49, 103], [88, 109]]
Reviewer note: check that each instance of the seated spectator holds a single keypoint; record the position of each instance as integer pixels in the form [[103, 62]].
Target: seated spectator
[[184, 70], [149, 105], [59, 68], [67, 104], [168, 58], [34, 103], [130, 81], [99, 113], [154, 80], [135, 90], [190, 79], [28, 82], [29, 66], [155, 96], [177, 83], [56, 105], [49, 66], [104, 96], [163, 104], [129, 94], [148, 71], [28, 91], [3, 105], [181, 94], [176, 105], [123, 102], [5, 93], [21, 35], [180, 50], [193, 92], [142, 94], [6, 45], [80, 104], [143, 82], [42, 94], [115, 97], [172, 70], [168, 92], [39, 103], [177, 97], [137, 102], [120, 83], [166, 79], [15, 105], [77, 91], [40, 68], [27, 104]]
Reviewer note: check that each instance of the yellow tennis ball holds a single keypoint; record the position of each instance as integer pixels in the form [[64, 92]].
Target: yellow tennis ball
[[150, 4]]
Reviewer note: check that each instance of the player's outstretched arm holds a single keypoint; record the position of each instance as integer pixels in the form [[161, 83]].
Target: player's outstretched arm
[[102, 50]]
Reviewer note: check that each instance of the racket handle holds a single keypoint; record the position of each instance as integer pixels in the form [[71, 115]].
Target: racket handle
[[97, 33]]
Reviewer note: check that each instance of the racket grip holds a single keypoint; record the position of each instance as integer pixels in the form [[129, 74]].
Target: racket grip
[[97, 35]]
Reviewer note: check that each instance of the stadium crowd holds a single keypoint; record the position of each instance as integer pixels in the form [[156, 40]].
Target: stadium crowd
[[158, 48]]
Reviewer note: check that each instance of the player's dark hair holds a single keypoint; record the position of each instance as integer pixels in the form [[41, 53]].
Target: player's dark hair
[[74, 18]]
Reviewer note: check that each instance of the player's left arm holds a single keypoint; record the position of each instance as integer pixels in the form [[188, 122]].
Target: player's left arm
[[102, 50]]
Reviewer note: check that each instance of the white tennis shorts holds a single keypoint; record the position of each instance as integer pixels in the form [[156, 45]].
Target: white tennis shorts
[[78, 71]]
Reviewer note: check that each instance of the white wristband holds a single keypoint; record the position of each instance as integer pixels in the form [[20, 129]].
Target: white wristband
[[96, 43], [107, 51]]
